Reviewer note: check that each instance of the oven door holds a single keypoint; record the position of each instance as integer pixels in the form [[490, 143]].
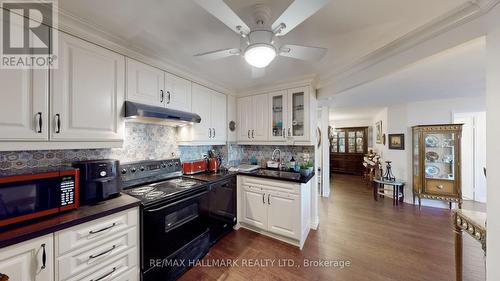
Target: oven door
[[172, 235], [34, 197]]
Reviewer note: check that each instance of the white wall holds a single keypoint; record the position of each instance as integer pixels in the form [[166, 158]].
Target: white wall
[[400, 118], [381, 116], [493, 135], [351, 123]]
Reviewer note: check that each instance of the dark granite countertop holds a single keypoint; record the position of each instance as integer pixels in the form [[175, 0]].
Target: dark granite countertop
[[46, 225], [279, 175], [261, 173]]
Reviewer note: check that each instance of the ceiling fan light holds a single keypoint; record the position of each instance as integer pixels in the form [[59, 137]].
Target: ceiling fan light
[[260, 55]]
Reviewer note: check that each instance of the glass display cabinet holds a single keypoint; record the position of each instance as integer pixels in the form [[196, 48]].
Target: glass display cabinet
[[348, 146], [436, 163]]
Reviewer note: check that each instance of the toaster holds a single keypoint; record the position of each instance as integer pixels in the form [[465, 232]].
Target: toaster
[[194, 167]]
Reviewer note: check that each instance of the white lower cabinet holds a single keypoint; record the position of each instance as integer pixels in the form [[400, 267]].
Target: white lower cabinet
[[280, 209], [105, 248], [25, 261]]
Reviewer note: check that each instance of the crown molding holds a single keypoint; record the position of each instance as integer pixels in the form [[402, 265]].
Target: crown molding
[[95, 34], [306, 80], [465, 13]]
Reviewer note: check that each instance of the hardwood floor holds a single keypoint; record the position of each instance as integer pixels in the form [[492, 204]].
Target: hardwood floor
[[380, 241]]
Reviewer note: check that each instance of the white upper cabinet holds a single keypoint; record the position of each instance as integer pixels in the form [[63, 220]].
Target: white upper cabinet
[[145, 84], [260, 117], [253, 118], [201, 105], [218, 116], [177, 93], [24, 110], [24, 100], [211, 106], [87, 92], [244, 119], [25, 261]]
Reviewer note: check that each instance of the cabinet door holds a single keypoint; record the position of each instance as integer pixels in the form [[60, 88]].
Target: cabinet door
[[254, 207], [145, 84], [201, 105], [24, 261], [278, 116], [284, 214], [245, 122], [218, 117], [298, 102], [178, 93], [260, 113], [24, 101], [88, 92]]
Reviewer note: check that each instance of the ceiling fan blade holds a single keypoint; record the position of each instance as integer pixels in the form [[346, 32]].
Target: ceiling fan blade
[[302, 52], [219, 54], [296, 13], [258, 72], [221, 11]]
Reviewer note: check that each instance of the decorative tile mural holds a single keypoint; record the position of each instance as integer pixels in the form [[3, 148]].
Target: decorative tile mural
[[149, 141]]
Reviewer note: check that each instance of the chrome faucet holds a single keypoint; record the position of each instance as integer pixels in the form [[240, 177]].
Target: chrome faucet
[[273, 157]]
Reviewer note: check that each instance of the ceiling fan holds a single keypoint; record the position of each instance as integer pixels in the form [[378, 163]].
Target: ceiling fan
[[260, 44]]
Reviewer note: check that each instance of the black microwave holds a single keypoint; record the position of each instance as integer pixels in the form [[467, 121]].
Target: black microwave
[[25, 195]]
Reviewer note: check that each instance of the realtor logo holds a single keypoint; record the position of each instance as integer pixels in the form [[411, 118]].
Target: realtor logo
[[28, 34]]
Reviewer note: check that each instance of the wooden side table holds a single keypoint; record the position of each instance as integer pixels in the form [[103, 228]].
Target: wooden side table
[[473, 223], [397, 188]]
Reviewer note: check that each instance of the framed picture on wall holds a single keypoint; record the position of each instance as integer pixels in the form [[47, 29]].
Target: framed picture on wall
[[397, 141], [378, 131]]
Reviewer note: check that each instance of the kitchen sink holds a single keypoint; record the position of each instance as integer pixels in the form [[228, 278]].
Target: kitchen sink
[[279, 174]]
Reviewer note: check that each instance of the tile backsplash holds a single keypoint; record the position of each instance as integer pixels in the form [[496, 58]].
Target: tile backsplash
[[148, 141]]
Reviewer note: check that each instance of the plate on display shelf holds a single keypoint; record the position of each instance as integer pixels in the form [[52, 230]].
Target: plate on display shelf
[[432, 156], [431, 141], [431, 170]]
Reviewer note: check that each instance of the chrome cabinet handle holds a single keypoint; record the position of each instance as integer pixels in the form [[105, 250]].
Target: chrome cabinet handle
[[214, 132], [284, 133], [58, 123], [44, 257], [103, 253], [102, 229], [268, 200], [162, 96], [263, 198], [39, 116], [209, 133], [105, 275], [169, 97], [253, 134], [289, 132], [248, 133]]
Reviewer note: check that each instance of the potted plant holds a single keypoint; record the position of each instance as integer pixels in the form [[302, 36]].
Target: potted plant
[[306, 168]]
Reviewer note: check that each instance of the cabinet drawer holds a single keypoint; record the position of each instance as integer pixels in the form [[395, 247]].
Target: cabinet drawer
[[123, 268], [269, 184], [441, 187], [94, 231], [94, 255]]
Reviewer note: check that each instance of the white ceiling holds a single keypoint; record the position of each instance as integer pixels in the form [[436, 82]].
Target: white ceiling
[[457, 72], [177, 29]]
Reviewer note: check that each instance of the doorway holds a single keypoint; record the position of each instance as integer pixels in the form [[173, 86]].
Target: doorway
[[473, 154]]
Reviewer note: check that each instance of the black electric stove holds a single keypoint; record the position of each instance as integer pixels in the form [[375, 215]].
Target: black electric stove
[[174, 217]]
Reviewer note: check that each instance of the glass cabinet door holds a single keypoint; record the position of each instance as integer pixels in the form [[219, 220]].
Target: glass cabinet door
[[299, 113], [334, 144], [342, 142], [351, 142], [278, 116], [360, 141], [439, 155]]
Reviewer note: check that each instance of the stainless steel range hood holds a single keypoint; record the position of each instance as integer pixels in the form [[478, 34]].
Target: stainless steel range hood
[[138, 112]]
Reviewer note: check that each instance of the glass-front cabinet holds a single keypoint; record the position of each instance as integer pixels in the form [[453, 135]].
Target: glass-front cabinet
[[278, 102], [289, 115], [348, 146], [436, 162]]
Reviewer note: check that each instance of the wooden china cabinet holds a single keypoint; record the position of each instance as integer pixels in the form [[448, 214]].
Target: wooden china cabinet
[[436, 163], [348, 146]]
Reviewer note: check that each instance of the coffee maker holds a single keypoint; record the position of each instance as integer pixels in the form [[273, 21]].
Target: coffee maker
[[99, 180]]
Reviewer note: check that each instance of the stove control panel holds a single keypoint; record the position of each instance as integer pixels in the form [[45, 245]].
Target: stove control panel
[[150, 168]]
